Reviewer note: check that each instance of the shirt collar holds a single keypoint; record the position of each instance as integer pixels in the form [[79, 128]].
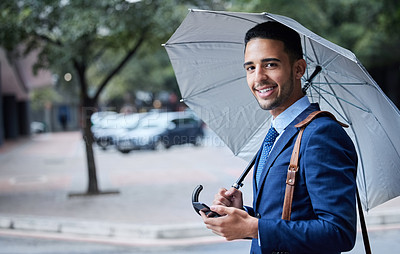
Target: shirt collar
[[286, 117]]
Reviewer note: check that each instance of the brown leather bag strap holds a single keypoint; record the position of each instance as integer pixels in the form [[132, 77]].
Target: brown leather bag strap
[[291, 178], [294, 162], [314, 114], [294, 168]]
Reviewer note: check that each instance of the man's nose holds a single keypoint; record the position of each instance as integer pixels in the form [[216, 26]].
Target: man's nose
[[260, 75]]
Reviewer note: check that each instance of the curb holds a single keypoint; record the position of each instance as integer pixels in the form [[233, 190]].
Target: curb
[[138, 234], [102, 229]]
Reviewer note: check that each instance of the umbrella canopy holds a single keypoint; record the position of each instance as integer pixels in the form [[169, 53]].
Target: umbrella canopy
[[207, 54]]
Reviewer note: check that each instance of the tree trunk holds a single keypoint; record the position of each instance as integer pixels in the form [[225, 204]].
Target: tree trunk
[[88, 108]]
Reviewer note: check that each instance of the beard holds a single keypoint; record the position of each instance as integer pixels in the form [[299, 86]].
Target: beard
[[284, 93]]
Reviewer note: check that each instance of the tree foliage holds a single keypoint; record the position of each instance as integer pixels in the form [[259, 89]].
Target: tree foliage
[[90, 37]]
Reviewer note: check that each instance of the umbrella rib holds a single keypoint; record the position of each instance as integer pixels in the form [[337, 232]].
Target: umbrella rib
[[328, 62], [328, 73], [320, 95], [348, 91], [305, 53], [309, 61], [339, 98], [307, 57], [313, 50]]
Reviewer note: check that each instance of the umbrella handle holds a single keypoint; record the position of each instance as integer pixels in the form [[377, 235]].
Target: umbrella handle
[[196, 193], [239, 182], [198, 206]]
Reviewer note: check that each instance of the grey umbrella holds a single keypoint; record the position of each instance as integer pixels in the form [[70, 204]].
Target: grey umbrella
[[206, 52]]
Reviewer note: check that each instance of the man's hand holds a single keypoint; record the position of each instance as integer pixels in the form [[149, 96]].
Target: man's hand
[[231, 198], [236, 224]]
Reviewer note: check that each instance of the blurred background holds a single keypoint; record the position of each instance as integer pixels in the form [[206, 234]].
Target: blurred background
[[58, 57], [79, 78]]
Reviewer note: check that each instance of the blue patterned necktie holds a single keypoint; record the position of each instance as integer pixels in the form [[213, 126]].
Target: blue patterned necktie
[[267, 145]]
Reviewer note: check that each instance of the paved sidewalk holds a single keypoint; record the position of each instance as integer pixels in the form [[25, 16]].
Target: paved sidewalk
[[37, 174]]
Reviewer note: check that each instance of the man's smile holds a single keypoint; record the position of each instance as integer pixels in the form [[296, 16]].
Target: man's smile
[[264, 92]]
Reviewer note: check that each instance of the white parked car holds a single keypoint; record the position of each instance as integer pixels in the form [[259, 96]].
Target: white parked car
[[106, 128], [162, 130]]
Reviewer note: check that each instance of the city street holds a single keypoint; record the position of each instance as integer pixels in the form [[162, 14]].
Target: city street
[[383, 241], [152, 212], [158, 184]]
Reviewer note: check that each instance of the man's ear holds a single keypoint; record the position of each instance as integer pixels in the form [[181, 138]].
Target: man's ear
[[300, 68]]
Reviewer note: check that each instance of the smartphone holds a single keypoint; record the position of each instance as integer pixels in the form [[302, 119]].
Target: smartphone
[[198, 206], [203, 207]]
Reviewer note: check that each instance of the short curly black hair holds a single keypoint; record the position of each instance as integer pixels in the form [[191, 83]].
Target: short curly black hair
[[277, 31]]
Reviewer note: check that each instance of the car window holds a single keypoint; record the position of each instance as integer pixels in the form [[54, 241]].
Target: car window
[[184, 122], [190, 121]]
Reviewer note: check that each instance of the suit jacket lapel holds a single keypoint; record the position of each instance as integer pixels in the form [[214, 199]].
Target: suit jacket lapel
[[280, 144], [290, 131], [255, 187]]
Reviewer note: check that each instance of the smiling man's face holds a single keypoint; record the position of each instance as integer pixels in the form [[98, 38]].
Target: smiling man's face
[[271, 75]]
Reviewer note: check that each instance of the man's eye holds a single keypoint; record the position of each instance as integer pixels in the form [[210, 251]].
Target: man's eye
[[271, 65], [249, 68]]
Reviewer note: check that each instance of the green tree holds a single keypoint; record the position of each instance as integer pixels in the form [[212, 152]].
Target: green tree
[[93, 39], [153, 73]]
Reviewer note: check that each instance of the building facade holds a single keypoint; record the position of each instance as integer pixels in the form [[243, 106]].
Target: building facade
[[17, 80]]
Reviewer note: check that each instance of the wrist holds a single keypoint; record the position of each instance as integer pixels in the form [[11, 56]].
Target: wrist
[[253, 228]]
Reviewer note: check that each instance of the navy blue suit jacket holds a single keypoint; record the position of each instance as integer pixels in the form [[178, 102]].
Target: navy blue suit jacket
[[323, 218]]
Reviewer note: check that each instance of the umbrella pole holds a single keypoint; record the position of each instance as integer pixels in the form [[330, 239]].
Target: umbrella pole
[[239, 182], [308, 82], [363, 225]]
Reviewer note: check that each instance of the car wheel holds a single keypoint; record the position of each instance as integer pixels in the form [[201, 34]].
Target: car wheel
[[102, 144], [124, 151]]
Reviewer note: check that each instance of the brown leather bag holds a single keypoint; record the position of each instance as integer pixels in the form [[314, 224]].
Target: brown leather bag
[[294, 168]]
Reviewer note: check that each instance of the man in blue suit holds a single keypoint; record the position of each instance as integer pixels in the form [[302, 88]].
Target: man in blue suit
[[323, 215]]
